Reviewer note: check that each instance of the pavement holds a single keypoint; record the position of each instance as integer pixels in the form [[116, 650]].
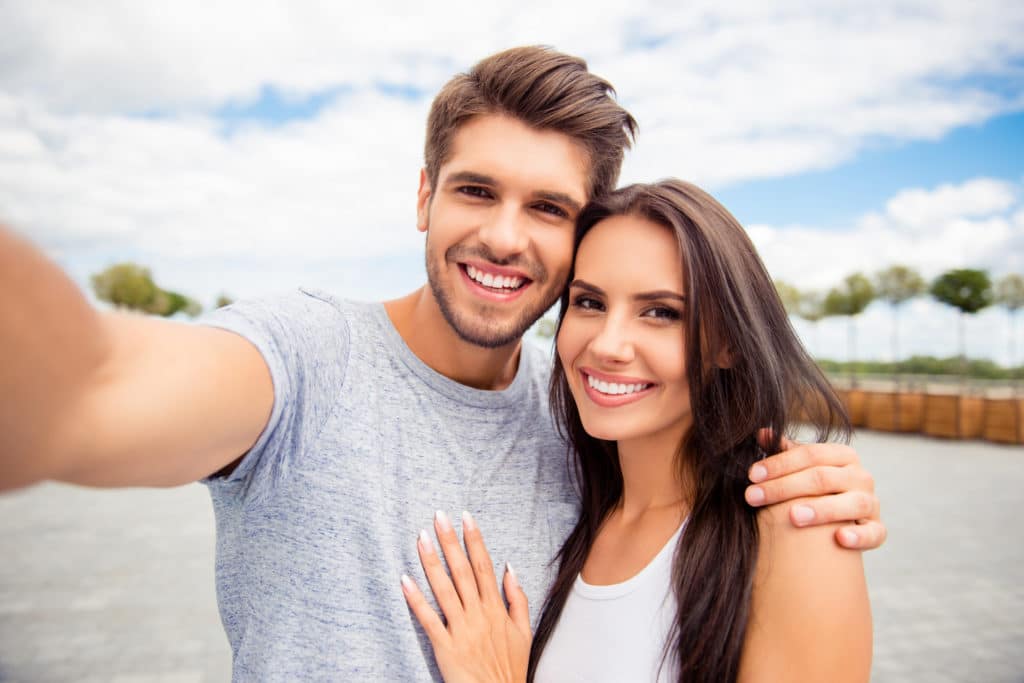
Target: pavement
[[117, 586]]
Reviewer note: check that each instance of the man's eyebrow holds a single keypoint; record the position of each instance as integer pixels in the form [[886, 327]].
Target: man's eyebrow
[[642, 296], [471, 177]]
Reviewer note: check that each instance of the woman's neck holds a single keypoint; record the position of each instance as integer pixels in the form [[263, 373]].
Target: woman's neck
[[651, 477]]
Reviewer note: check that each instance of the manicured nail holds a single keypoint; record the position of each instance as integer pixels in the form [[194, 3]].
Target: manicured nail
[[407, 585], [802, 514], [755, 495], [849, 538], [443, 523], [511, 572], [468, 523], [426, 545], [758, 473]]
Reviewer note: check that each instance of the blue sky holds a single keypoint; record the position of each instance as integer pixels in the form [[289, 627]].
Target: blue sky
[[837, 196]]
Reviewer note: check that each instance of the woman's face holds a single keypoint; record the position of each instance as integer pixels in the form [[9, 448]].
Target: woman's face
[[622, 340]]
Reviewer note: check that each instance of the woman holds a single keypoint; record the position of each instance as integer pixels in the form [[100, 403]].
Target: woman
[[673, 349]]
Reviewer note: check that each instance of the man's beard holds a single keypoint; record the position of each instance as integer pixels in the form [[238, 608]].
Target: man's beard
[[475, 329]]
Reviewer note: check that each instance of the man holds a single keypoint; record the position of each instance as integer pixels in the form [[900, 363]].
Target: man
[[329, 432]]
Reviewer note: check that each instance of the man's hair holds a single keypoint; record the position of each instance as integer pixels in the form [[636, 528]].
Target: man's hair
[[544, 89]]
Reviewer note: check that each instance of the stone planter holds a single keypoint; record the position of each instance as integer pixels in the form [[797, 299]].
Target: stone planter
[[1004, 420], [953, 417], [890, 411]]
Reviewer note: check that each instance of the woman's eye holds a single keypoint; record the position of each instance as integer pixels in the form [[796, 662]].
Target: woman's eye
[[587, 303], [662, 313]]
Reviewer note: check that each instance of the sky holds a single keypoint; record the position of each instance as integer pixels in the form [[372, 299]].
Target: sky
[[247, 148]]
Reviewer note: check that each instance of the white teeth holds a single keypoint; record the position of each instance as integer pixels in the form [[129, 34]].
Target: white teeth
[[496, 281], [614, 388]]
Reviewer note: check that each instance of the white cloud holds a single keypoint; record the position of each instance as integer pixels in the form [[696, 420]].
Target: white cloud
[[723, 93]]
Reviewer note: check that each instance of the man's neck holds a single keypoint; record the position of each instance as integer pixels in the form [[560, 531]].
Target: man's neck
[[422, 326]]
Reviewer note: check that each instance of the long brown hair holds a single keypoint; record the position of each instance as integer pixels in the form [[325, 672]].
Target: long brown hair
[[545, 89], [746, 370]]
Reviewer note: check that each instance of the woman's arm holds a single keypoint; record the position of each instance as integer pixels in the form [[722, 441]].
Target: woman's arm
[[483, 642], [810, 617]]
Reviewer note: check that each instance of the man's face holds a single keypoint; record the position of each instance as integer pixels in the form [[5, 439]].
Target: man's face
[[499, 226]]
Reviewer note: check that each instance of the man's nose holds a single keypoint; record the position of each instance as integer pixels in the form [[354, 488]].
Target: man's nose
[[505, 233]]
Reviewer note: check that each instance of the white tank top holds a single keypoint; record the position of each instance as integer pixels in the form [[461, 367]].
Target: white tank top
[[616, 633]]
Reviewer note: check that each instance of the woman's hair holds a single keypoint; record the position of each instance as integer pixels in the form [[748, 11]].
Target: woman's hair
[[746, 370]]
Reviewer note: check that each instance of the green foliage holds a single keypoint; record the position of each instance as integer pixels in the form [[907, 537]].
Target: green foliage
[[978, 368], [126, 285], [223, 300], [789, 295], [811, 306], [1009, 292], [129, 285], [545, 328], [851, 297], [897, 284], [965, 289]]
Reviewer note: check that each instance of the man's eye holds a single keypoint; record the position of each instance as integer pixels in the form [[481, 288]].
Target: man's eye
[[475, 191], [553, 210]]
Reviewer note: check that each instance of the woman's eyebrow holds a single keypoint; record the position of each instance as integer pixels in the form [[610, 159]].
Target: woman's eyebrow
[[642, 296]]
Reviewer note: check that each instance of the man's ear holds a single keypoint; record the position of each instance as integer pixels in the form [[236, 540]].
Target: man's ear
[[423, 202]]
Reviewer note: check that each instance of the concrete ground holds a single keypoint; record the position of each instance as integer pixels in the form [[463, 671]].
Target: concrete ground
[[117, 586]]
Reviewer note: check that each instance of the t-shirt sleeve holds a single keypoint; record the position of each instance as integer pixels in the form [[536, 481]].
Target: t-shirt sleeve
[[304, 340]]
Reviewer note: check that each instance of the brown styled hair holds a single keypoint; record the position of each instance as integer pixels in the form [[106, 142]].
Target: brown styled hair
[[733, 318], [544, 89]]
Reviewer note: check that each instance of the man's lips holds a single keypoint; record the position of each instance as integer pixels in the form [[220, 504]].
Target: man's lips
[[494, 283], [611, 391]]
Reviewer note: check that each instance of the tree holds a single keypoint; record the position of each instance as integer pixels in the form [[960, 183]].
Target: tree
[[811, 308], [126, 285], [789, 295], [223, 300], [1009, 293], [967, 290], [849, 299], [129, 285], [897, 285]]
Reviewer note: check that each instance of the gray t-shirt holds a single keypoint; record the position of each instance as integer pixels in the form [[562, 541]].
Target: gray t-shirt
[[364, 443]]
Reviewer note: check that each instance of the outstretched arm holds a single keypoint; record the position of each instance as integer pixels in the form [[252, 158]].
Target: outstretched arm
[[836, 485], [482, 642], [111, 399]]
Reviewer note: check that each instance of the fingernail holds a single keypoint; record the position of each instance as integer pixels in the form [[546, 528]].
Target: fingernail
[[511, 572], [442, 520], [468, 523], [755, 495], [758, 473], [407, 584], [425, 543], [849, 538], [802, 514]]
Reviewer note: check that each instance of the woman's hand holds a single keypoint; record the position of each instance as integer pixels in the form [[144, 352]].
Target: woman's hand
[[483, 642], [841, 490]]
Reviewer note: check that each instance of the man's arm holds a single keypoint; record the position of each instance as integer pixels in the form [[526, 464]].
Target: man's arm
[[838, 488], [114, 399]]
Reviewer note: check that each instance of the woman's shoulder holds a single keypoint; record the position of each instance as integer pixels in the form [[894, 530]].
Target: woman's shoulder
[[810, 618]]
